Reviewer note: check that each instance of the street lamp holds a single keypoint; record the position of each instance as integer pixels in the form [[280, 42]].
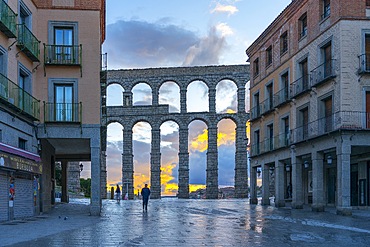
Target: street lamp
[[306, 164], [81, 167], [329, 160]]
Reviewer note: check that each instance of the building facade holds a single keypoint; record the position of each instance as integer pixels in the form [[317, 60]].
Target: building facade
[[50, 95], [310, 106]]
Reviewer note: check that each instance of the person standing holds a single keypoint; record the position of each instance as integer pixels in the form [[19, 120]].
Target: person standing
[[145, 193], [118, 193]]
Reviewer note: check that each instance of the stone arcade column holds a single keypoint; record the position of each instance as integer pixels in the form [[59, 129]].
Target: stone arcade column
[[265, 185], [212, 164], [212, 100], [183, 100], [241, 169], [64, 181], [241, 99], [253, 191], [155, 101], [318, 204], [344, 176], [279, 184], [127, 164], [103, 175], [297, 186], [183, 191], [95, 202], [155, 164]]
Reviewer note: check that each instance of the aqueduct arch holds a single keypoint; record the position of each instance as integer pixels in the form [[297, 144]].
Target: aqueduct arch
[[156, 114]]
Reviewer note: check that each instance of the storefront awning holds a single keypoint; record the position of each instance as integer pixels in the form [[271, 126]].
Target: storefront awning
[[20, 152]]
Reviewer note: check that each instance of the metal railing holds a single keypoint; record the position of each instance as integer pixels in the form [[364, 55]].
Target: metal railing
[[104, 62], [281, 97], [299, 86], [364, 63], [63, 112], [12, 94], [255, 112], [266, 105], [63, 54], [28, 43], [323, 72], [7, 20]]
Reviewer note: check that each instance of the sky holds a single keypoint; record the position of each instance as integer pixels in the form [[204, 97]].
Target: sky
[[175, 33]]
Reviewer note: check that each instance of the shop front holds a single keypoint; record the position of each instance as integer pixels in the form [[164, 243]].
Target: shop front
[[20, 172]]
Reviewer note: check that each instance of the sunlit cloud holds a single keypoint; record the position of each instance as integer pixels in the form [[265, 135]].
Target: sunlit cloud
[[224, 29], [195, 187], [228, 9], [200, 142]]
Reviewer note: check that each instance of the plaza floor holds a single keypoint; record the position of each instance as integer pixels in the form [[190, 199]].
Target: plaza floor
[[173, 222]]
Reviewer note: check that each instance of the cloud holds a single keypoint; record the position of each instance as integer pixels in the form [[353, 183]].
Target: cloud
[[228, 9], [224, 29], [141, 44]]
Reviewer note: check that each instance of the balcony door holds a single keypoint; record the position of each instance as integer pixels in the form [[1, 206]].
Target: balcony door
[[328, 114], [63, 41], [327, 60], [63, 103], [368, 110]]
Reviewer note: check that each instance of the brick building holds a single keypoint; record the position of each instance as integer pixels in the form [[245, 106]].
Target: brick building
[[310, 106], [50, 65]]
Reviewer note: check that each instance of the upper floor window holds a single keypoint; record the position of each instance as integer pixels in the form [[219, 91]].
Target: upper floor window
[[367, 3], [269, 56], [22, 143], [25, 15], [303, 66], [3, 61], [325, 9], [256, 67], [284, 43], [303, 26], [327, 60]]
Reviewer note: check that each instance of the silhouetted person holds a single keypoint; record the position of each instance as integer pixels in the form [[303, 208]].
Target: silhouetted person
[[118, 193], [145, 193]]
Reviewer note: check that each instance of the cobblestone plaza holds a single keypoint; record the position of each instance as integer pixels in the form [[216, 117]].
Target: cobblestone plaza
[[174, 222]]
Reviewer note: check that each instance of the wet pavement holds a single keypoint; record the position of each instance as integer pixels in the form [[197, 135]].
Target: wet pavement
[[173, 222]]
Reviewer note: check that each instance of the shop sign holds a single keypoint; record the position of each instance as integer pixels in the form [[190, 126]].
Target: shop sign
[[19, 163]]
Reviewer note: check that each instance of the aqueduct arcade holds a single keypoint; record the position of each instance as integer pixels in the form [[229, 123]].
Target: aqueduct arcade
[[155, 114]]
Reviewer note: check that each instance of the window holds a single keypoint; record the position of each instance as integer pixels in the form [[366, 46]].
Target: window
[[285, 136], [269, 96], [257, 142], [327, 60], [25, 86], [325, 9], [303, 66], [285, 87], [303, 124], [63, 43], [63, 102], [269, 56], [25, 15], [367, 52], [270, 140], [284, 43], [367, 3], [256, 108], [302, 26], [367, 109], [327, 114], [3, 61], [256, 68], [1, 135], [22, 143]]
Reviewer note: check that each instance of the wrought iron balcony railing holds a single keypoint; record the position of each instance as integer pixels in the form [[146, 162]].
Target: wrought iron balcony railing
[[62, 54], [14, 96], [7, 20], [281, 97], [299, 86], [63, 112], [322, 73], [267, 105], [255, 112], [364, 63], [28, 43]]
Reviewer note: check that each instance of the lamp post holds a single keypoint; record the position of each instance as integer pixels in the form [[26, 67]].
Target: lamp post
[[81, 167]]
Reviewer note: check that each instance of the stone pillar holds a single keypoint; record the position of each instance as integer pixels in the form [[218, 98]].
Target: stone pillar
[[183, 191], [73, 180], [95, 201], [297, 186], [64, 181], [155, 164], [279, 184], [344, 176], [212, 100], [253, 184], [103, 176], [241, 165], [212, 164], [127, 164], [318, 203], [265, 185], [241, 99], [183, 100], [155, 102]]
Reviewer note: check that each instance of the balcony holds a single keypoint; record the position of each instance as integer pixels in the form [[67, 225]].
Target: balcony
[[281, 97], [267, 105], [364, 66], [14, 96], [255, 112], [28, 43], [299, 86], [63, 54], [63, 112], [7, 20], [322, 73], [255, 149]]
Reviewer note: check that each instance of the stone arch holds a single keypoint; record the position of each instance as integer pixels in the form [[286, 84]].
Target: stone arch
[[194, 88], [138, 99], [226, 96], [174, 101], [117, 90], [156, 114]]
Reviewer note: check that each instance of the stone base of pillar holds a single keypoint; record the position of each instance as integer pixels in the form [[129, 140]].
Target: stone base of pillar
[[253, 201], [297, 206], [95, 210], [344, 211], [280, 203], [265, 201], [183, 196], [317, 208]]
